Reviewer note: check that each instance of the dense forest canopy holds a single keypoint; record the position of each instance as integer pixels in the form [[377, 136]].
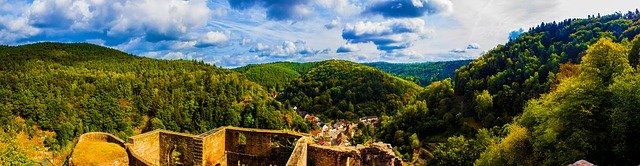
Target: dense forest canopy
[[585, 107], [526, 67], [275, 76], [71, 89], [421, 73], [338, 89]]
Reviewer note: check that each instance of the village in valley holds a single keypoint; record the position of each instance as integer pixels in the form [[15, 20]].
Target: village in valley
[[336, 133]]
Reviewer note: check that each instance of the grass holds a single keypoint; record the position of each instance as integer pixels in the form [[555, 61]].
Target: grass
[[98, 153]]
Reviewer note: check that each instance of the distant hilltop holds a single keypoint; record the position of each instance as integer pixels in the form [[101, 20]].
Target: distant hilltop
[[224, 146]]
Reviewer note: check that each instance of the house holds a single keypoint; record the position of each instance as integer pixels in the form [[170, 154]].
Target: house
[[325, 128], [369, 120]]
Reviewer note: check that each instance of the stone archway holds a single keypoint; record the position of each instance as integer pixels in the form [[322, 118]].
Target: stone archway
[[176, 156]]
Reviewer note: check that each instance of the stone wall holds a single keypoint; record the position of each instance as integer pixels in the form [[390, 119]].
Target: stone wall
[[213, 147], [182, 143], [256, 144], [299, 154], [101, 137], [135, 159], [259, 147], [325, 155], [377, 154], [241, 146], [144, 147]]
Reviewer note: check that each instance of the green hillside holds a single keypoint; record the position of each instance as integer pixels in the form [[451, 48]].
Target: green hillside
[[568, 91], [527, 66], [340, 89], [72, 89], [275, 76], [422, 73]]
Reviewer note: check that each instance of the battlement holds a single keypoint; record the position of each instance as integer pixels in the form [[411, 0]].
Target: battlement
[[241, 146]]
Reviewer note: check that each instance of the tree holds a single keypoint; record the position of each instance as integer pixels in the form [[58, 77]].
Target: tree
[[512, 150], [460, 150], [603, 60], [483, 102], [415, 142], [634, 54], [157, 124]]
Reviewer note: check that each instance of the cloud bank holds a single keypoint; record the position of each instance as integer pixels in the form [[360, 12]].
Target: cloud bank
[[387, 35], [347, 48], [239, 32], [277, 9], [410, 8]]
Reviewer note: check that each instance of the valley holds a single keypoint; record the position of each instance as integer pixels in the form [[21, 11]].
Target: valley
[[560, 92]]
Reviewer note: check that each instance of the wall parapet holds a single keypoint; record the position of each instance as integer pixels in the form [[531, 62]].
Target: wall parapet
[[299, 154], [101, 137], [235, 145]]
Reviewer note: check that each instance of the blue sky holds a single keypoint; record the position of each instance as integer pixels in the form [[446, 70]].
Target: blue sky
[[231, 33]]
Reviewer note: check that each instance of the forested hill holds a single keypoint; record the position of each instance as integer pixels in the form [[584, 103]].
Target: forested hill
[[422, 73], [72, 89], [527, 66], [568, 91], [275, 76], [339, 89]]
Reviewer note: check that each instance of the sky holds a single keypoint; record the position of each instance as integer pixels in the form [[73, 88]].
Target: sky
[[232, 33]]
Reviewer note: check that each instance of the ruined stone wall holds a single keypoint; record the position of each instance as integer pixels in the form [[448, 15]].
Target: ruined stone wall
[[256, 141], [101, 137], [145, 147], [299, 154], [135, 159], [213, 148], [223, 146], [182, 143], [251, 160], [323, 155], [377, 154], [256, 146]]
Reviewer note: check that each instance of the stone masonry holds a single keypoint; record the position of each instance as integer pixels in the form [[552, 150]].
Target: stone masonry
[[248, 147]]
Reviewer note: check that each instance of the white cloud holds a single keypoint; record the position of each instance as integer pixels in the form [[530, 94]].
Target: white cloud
[[156, 20], [348, 48], [333, 24], [388, 35], [183, 45], [473, 46], [444, 6], [287, 49], [174, 55], [231, 36], [410, 8], [219, 12], [159, 18], [12, 28], [259, 47], [12, 25], [213, 38], [341, 7]]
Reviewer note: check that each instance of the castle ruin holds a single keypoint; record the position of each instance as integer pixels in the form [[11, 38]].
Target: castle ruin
[[244, 147]]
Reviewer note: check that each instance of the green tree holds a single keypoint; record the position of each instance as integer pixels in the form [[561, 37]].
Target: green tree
[[604, 59], [634, 54], [483, 102], [157, 124], [415, 142]]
